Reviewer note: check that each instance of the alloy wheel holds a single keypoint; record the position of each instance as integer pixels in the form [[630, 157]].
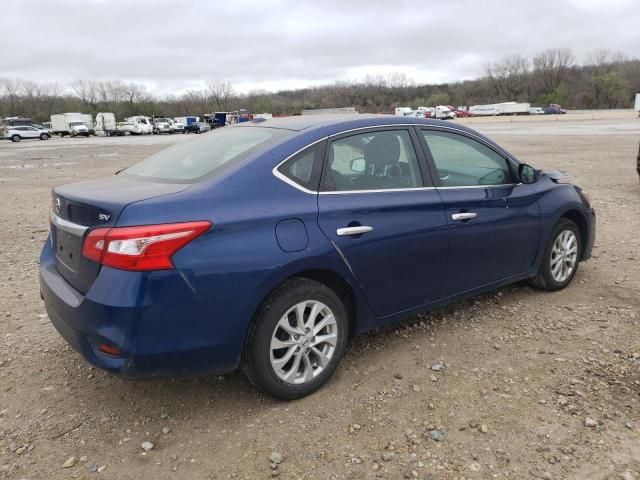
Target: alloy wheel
[[564, 256], [303, 342]]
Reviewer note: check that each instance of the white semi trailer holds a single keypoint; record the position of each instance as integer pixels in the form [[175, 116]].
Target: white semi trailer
[[505, 108], [637, 105], [106, 125]]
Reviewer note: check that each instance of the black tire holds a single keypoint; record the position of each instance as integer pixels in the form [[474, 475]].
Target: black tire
[[44, 136], [256, 363], [15, 138], [544, 279]]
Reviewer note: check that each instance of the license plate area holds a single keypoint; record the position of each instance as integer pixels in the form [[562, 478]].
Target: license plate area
[[68, 249]]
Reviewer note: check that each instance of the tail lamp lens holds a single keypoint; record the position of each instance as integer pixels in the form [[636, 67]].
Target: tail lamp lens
[[148, 247]]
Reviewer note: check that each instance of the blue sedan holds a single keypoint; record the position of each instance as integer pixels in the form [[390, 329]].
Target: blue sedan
[[266, 245]]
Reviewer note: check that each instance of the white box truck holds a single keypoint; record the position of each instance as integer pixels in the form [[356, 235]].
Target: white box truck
[[106, 125], [637, 105], [504, 108], [73, 124]]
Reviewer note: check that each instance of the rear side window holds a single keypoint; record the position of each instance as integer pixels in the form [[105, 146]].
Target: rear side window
[[377, 160], [304, 168], [462, 161], [191, 160]]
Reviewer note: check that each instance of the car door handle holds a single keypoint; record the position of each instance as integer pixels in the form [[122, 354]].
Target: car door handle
[[353, 230], [463, 216]]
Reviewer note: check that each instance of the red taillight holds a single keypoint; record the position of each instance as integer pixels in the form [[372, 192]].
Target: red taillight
[[148, 247]]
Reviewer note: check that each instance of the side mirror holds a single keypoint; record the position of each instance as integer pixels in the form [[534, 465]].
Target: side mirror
[[358, 165], [527, 173]]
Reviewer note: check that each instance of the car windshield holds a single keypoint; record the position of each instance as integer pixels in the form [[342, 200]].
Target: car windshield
[[189, 161]]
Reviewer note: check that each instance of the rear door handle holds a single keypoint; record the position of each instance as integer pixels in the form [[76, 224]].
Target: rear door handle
[[463, 216], [353, 230]]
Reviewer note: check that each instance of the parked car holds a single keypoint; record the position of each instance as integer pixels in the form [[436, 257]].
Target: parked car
[[176, 127], [24, 132], [198, 127], [266, 245], [554, 108], [536, 111], [460, 113]]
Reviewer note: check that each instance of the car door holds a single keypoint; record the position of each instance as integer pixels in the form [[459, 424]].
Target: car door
[[494, 222], [30, 132], [379, 210]]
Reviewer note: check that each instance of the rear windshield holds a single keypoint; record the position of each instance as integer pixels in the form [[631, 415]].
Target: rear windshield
[[191, 160]]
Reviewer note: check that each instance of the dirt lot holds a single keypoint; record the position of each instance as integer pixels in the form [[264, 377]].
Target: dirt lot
[[532, 385]]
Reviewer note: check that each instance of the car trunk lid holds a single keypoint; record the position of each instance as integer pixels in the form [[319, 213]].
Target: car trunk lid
[[79, 207]]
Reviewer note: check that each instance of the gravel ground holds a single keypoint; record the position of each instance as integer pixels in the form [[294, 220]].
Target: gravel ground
[[514, 384]]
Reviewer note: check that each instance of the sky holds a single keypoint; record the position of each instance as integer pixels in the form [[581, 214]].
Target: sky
[[175, 46]]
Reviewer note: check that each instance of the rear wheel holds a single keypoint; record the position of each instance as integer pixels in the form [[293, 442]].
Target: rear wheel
[[561, 257], [296, 339], [15, 138]]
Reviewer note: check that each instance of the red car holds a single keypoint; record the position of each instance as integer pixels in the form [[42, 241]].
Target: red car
[[460, 113]]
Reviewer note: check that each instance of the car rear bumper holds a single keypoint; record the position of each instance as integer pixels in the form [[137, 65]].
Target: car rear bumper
[[154, 340]]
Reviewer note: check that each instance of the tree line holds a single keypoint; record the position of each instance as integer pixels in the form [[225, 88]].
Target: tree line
[[604, 79]]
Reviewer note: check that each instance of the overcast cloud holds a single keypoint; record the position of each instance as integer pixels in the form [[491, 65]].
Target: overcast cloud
[[173, 46]]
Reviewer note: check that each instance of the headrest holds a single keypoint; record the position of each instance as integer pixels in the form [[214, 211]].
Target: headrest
[[381, 152]]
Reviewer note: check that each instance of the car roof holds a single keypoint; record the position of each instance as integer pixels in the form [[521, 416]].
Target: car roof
[[322, 125]]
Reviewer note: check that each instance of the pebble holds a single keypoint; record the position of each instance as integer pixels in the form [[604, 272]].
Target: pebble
[[166, 430], [436, 367], [387, 456], [146, 446], [590, 422], [71, 461], [437, 435], [397, 376], [629, 425], [416, 388], [484, 428], [101, 468], [276, 458]]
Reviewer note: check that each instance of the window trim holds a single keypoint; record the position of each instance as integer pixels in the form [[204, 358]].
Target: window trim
[[424, 155], [511, 163]]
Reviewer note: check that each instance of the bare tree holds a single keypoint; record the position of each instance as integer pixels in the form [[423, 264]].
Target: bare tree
[[221, 91], [87, 92], [552, 66], [399, 80], [10, 89], [509, 76]]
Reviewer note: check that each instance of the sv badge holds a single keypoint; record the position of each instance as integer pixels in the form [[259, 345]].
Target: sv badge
[[104, 217]]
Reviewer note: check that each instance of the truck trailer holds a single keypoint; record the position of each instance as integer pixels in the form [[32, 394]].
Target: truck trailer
[[505, 108], [106, 125]]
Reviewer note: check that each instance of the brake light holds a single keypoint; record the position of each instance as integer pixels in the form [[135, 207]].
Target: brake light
[[148, 247]]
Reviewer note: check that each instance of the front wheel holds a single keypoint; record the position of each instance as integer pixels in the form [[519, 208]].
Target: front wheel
[[44, 136], [15, 138], [561, 257], [296, 339]]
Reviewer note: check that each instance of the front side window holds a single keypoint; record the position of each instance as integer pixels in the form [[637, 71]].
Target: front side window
[[378, 160], [189, 161], [464, 162]]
